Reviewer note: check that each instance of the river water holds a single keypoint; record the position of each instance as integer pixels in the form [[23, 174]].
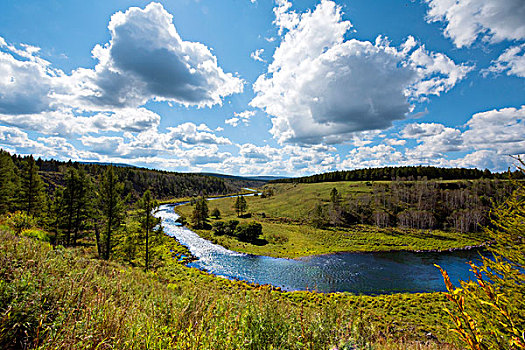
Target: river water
[[367, 273]]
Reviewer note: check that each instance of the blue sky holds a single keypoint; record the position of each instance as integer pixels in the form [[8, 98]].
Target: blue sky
[[265, 87]]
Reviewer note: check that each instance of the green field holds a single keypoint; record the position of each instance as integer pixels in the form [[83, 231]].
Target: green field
[[286, 232]]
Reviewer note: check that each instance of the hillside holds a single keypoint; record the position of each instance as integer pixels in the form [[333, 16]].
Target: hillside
[[163, 184], [286, 212]]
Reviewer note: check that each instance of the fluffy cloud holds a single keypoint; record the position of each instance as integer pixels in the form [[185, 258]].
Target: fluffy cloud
[[240, 117], [489, 137], [63, 122], [502, 131], [511, 61], [144, 60], [373, 156], [16, 141], [437, 72], [189, 133], [321, 88], [14, 137], [484, 159], [26, 86], [147, 59], [256, 55], [258, 154], [490, 20]]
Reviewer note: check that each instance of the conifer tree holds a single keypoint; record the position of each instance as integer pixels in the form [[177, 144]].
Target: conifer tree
[[54, 215], [240, 206], [31, 188], [8, 183], [200, 212], [148, 221], [111, 207], [216, 213], [75, 203]]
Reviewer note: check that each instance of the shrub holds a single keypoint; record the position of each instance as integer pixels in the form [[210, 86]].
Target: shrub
[[216, 213], [276, 238], [20, 221], [36, 234], [249, 231], [219, 228]]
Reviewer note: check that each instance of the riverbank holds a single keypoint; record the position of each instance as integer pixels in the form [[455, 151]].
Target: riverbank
[[176, 307], [285, 238]]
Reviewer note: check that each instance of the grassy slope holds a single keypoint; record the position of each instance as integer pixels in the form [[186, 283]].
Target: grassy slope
[[63, 298], [286, 217]]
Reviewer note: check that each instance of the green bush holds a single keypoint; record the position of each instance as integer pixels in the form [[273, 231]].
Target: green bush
[[248, 231], [20, 221], [37, 234]]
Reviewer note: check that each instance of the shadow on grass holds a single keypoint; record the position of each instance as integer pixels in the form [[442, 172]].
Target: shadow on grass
[[258, 242]]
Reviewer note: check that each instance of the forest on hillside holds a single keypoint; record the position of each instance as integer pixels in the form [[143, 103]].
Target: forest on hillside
[[162, 184]]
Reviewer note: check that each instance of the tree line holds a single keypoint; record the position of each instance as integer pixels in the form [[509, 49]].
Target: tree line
[[462, 206], [162, 184], [390, 173]]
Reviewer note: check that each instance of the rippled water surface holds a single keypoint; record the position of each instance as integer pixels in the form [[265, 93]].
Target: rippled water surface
[[370, 273]]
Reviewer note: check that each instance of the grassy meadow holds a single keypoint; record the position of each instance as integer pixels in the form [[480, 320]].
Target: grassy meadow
[[287, 233]]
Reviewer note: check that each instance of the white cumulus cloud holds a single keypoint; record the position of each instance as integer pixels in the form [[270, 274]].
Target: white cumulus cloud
[[511, 61], [243, 117], [490, 20], [321, 88], [147, 59]]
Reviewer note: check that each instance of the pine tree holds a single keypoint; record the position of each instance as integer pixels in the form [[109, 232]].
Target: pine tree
[[54, 214], [75, 203], [31, 188], [148, 222], [200, 212], [8, 184], [111, 208], [240, 205], [335, 198]]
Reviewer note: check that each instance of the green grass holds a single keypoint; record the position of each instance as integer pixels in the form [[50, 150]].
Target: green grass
[[288, 234], [54, 298]]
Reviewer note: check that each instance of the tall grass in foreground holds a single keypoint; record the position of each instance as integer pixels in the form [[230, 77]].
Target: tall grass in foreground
[[63, 299]]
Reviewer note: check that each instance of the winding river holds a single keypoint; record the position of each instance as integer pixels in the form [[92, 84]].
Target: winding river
[[366, 273]]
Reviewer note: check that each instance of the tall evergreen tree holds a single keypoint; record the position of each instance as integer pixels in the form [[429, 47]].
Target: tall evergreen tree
[[54, 215], [240, 205], [76, 203], [200, 212], [148, 221], [111, 208], [31, 188], [8, 183]]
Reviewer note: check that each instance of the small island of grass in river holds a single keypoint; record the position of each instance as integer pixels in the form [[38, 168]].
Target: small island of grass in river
[[289, 215]]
